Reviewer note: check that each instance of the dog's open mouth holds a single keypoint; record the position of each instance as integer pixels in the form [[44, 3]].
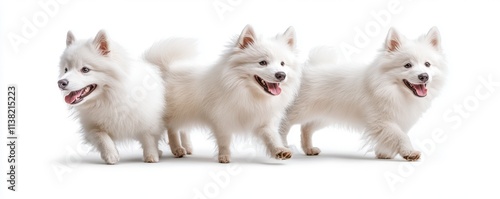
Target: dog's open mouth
[[75, 97], [271, 88], [419, 90]]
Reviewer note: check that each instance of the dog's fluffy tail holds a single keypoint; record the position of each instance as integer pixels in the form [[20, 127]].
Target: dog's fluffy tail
[[322, 55], [166, 52]]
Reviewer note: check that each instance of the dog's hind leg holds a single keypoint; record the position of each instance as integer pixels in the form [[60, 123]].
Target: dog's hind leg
[[186, 142], [151, 153], [308, 130], [223, 144], [175, 143]]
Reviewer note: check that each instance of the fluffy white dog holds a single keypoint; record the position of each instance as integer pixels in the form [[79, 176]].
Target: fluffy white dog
[[115, 97], [247, 90], [384, 99]]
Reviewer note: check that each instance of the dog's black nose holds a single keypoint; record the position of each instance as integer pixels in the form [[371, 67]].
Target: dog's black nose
[[62, 83], [423, 77], [280, 76]]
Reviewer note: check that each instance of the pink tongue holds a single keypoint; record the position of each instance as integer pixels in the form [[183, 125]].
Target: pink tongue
[[71, 97], [274, 88], [421, 89]]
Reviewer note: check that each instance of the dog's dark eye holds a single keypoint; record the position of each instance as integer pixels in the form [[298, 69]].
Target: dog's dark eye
[[85, 70], [427, 64], [263, 63], [408, 65], [65, 70], [282, 63]]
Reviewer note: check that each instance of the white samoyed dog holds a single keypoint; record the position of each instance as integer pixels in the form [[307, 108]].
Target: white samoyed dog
[[115, 98], [384, 99], [247, 90]]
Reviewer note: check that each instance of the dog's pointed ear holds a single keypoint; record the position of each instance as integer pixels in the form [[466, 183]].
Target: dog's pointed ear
[[70, 38], [289, 37], [101, 42], [393, 40], [434, 38], [247, 37]]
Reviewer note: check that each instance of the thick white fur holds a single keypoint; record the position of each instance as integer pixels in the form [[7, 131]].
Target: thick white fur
[[226, 98], [372, 99], [128, 103]]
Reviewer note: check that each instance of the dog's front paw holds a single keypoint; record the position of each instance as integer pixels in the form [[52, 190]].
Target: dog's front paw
[[412, 156], [282, 153], [110, 158], [312, 151], [381, 155], [151, 158], [179, 152], [224, 159], [189, 150]]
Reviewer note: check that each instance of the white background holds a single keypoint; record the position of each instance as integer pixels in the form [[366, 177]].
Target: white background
[[53, 162]]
